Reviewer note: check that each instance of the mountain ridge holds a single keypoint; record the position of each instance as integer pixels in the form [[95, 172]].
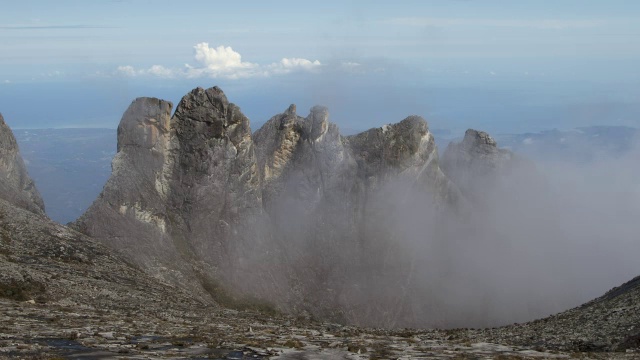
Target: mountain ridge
[[100, 301], [198, 198]]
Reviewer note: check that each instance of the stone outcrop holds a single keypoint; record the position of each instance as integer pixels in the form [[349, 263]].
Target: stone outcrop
[[308, 173], [131, 213], [477, 150], [406, 149], [180, 188], [282, 215], [15, 184], [309, 158], [305, 157], [477, 164], [333, 205]]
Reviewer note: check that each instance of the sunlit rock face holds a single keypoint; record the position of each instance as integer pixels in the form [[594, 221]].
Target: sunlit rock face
[[295, 214], [303, 157], [307, 158], [306, 169], [406, 150], [15, 184], [180, 186]]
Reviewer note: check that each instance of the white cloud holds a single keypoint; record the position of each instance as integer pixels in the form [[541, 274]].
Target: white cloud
[[7, 81], [161, 71], [223, 62], [220, 58], [220, 62], [126, 70], [287, 65], [155, 70], [555, 24]]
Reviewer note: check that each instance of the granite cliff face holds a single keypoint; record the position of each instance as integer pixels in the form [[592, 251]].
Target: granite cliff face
[[15, 184], [306, 157], [309, 159], [333, 202], [406, 150], [180, 186], [131, 213], [295, 214]]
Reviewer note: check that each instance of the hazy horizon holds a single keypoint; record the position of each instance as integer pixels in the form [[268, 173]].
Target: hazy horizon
[[499, 66]]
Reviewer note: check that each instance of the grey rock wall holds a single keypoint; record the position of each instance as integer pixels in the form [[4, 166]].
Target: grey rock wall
[[295, 214], [15, 184], [179, 188]]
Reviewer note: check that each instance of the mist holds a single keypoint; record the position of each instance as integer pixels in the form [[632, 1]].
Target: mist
[[529, 241]]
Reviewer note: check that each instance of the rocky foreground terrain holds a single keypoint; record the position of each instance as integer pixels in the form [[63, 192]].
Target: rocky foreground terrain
[[64, 294]]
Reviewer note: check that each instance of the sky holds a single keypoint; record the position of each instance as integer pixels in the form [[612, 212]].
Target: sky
[[499, 66]]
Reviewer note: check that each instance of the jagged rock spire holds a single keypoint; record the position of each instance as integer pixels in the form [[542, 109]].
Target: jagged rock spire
[[15, 184], [195, 198]]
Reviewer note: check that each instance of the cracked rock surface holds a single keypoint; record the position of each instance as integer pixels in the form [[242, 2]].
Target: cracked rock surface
[[15, 183], [178, 182], [281, 215]]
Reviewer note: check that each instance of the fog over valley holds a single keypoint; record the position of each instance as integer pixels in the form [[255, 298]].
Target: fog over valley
[[538, 237]]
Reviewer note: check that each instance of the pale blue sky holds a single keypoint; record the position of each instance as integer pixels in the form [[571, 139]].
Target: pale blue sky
[[503, 66]]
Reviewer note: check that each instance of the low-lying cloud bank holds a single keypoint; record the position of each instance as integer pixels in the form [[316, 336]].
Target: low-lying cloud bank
[[371, 229], [535, 239]]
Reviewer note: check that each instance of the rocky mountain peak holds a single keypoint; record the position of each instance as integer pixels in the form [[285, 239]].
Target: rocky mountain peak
[[219, 119], [318, 122], [477, 162], [144, 123], [394, 148], [291, 110], [187, 192], [477, 149], [478, 138], [15, 184], [180, 187]]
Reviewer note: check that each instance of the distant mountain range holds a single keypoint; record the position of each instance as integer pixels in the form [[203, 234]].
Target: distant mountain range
[[582, 144]]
